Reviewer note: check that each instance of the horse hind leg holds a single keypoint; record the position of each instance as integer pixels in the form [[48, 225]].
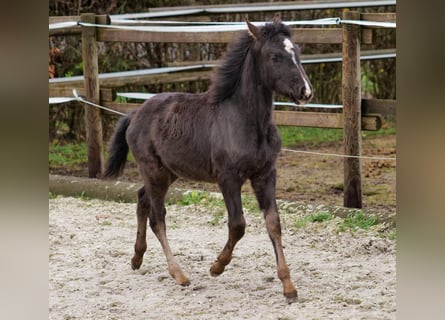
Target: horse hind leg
[[157, 224], [142, 212]]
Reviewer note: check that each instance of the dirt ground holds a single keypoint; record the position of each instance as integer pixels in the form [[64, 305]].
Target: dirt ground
[[338, 275]]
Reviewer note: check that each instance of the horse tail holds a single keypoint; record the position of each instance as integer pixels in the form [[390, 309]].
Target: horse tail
[[118, 150]]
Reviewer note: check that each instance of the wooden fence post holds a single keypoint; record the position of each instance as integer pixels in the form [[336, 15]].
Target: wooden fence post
[[351, 95], [93, 119]]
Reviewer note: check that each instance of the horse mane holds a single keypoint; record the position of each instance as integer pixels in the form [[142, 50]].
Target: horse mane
[[228, 75]]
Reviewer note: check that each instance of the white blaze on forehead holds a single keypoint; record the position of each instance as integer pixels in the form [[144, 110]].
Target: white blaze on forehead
[[289, 47]]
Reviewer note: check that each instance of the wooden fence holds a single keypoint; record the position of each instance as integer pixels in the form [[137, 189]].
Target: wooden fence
[[357, 114]]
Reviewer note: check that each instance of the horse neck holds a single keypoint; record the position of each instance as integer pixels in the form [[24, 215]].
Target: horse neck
[[254, 94]]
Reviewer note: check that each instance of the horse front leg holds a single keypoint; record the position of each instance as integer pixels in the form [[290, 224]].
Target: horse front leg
[[264, 187], [231, 190]]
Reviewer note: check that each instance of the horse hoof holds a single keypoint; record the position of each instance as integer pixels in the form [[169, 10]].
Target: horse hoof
[[135, 264], [216, 269], [183, 282], [133, 267], [291, 297]]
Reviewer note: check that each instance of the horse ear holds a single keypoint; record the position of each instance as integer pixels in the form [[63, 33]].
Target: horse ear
[[276, 19], [253, 30]]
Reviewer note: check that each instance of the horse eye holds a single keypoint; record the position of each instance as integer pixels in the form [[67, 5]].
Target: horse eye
[[276, 57]]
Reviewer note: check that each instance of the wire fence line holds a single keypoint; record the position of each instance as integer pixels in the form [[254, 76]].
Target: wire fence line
[[216, 26], [76, 97]]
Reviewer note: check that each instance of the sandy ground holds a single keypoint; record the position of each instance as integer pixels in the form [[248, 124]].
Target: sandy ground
[[338, 275]]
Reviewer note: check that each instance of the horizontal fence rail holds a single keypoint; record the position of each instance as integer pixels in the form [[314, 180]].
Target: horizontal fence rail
[[245, 8]]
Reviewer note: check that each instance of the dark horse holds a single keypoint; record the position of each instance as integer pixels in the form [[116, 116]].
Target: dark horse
[[225, 135]]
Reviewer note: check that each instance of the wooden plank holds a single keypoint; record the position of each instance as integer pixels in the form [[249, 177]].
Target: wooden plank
[[65, 91], [70, 31], [371, 122], [299, 35], [367, 36], [101, 189], [105, 34], [91, 83], [141, 79], [380, 17], [303, 57], [351, 96], [105, 94], [75, 30], [323, 120], [285, 118], [385, 107], [308, 119], [317, 35], [121, 107], [59, 19]]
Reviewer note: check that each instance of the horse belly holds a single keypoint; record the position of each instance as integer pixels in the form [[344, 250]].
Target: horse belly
[[191, 165]]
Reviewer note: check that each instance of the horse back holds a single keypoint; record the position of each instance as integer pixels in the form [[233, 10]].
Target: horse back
[[174, 129]]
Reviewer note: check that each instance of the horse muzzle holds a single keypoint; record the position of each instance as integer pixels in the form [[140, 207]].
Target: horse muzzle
[[303, 95]]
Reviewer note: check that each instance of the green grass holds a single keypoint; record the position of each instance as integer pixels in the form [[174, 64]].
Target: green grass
[[291, 136], [358, 220], [355, 220], [205, 198], [313, 217], [388, 128], [72, 155], [200, 197], [67, 155]]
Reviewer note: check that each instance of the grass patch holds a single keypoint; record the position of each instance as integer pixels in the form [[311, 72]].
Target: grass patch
[[218, 216], [318, 217], [68, 155], [291, 136], [358, 220], [250, 203], [72, 155], [52, 195], [199, 197], [392, 235], [207, 199]]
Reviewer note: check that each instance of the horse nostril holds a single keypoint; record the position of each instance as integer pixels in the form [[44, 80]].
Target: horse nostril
[[304, 93]]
